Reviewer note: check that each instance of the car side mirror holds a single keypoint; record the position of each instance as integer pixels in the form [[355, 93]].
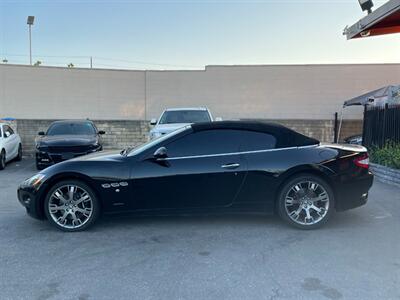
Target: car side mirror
[[7, 134], [41, 133], [218, 119], [102, 132], [153, 121], [160, 153]]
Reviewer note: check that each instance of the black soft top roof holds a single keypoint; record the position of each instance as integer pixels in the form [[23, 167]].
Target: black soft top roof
[[285, 137]]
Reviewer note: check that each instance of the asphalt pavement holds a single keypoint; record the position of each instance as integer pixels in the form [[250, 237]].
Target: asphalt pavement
[[355, 256]]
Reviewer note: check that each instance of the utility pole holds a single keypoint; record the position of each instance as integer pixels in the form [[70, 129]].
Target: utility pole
[[91, 62], [30, 23]]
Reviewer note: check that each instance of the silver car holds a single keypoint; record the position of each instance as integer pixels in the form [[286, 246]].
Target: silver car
[[174, 118]]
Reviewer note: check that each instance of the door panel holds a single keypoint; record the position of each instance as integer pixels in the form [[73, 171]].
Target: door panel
[[14, 145], [7, 145], [263, 179], [191, 182], [261, 184]]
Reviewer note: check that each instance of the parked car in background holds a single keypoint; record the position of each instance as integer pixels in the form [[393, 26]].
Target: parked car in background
[[66, 139], [174, 118], [354, 139], [10, 145], [225, 167]]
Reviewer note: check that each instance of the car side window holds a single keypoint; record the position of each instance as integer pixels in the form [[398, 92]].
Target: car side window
[[208, 142], [254, 141], [7, 128], [10, 130]]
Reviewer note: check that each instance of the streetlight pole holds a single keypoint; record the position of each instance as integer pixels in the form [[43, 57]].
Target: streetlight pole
[[30, 23], [30, 45]]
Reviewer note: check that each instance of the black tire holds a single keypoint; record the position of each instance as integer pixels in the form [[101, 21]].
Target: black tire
[[19, 156], [95, 205], [2, 160], [287, 188]]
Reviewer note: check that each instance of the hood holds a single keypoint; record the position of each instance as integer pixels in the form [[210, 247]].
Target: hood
[[167, 128], [110, 155], [103, 162], [66, 140]]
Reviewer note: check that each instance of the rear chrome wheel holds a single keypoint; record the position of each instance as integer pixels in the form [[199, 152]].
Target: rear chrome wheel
[[306, 202], [71, 206]]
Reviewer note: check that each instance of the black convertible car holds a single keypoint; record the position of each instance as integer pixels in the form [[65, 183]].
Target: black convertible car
[[65, 140], [228, 166]]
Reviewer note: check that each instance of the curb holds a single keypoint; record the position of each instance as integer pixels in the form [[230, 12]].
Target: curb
[[386, 174]]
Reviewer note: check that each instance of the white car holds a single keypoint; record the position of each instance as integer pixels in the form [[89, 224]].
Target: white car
[[10, 145], [174, 118]]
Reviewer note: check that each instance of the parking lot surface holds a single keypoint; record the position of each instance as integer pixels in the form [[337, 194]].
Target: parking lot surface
[[356, 256]]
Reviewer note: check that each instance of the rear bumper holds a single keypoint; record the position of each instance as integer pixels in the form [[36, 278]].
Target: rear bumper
[[353, 193]]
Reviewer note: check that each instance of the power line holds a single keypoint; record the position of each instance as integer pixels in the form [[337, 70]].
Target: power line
[[39, 55], [99, 58]]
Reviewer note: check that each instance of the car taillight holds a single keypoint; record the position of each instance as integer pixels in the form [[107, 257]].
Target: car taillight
[[362, 161]]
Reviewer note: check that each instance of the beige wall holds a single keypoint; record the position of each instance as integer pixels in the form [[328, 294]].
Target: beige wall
[[267, 92], [56, 93]]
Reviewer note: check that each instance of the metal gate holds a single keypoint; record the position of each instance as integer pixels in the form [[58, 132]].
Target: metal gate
[[381, 125]]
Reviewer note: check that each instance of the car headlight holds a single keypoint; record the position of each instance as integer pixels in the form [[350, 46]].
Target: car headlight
[[35, 181], [95, 146]]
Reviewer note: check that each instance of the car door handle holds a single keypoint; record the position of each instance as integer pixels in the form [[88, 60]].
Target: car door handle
[[230, 166]]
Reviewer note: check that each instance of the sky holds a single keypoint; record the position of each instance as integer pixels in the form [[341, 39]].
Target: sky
[[188, 34]]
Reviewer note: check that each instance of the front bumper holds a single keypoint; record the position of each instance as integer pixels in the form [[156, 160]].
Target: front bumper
[[30, 198], [353, 193], [45, 158]]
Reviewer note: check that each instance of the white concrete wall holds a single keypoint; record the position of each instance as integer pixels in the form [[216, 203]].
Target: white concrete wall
[[56, 93], [268, 92]]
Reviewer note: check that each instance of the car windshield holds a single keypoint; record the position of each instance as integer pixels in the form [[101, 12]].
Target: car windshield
[[71, 129], [142, 147], [185, 116]]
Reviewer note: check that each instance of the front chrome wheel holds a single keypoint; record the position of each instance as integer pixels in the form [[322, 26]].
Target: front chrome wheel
[[70, 206]]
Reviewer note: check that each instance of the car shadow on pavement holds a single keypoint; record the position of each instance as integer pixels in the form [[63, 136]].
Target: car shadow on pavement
[[119, 222], [343, 220], [127, 224], [111, 221]]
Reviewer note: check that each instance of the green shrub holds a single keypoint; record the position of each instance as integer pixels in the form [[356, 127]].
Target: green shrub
[[388, 156]]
